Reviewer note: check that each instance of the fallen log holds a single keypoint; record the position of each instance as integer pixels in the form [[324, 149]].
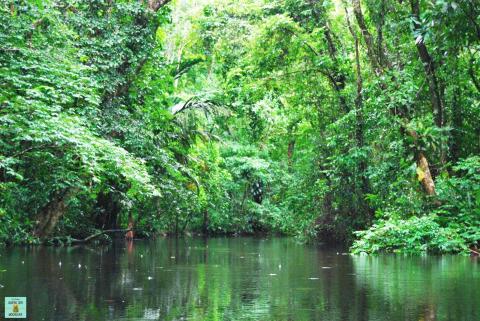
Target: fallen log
[[94, 236], [473, 252]]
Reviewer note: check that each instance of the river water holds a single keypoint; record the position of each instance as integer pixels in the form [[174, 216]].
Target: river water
[[242, 278]]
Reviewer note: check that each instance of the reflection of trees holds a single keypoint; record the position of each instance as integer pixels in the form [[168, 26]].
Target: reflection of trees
[[229, 279], [66, 291], [54, 292], [432, 287]]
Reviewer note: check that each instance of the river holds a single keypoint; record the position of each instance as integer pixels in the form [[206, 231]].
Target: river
[[242, 278]]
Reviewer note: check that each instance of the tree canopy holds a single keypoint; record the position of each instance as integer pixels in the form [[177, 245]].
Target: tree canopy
[[341, 120]]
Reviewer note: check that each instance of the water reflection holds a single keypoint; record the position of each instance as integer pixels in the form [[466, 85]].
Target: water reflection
[[237, 279]]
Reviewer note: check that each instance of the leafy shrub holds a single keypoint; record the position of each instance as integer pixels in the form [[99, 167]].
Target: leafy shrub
[[460, 198], [413, 235]]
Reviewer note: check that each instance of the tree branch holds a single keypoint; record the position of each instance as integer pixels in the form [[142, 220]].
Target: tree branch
[[155, 5], [367, 36], [94, 236]]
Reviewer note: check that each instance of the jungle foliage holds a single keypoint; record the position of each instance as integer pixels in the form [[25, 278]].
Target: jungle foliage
[[346, 120]]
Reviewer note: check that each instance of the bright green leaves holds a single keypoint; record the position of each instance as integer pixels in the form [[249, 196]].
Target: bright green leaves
[[58, 70], [460, 196], [276, 44], [414, 235], [430, 137], [242, 116]]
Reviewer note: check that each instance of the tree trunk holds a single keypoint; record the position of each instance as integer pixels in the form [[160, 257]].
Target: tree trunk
[[457, 124], [337, 78], [291, 148], [205, 222], [363, 189], [367, 36], [429, 66], [382, 59], [422, 163], [49, 216], [334, 74], [155, 5], [359, 122], [109, 208], [426, 177], [472, 72]]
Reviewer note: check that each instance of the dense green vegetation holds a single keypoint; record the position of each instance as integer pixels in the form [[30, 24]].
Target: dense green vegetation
[[309, 118]]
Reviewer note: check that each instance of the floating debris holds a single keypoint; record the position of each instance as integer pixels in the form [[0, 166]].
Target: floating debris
[[141, 256], [79, 266], [150, 278], [326, 267], [242, 257], [313, 278], [272, 274], [172, 257], [60, 264], [137, 289]]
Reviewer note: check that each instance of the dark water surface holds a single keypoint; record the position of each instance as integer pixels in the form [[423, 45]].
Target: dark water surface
[[236, 279]]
